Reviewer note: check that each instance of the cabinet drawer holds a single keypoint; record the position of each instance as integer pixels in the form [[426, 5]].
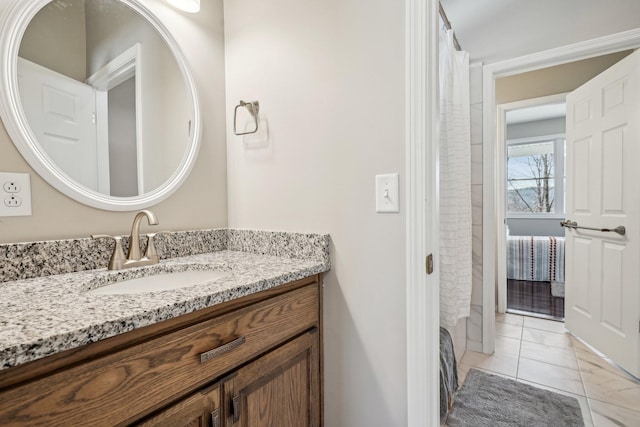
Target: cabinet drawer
[[118, 388]]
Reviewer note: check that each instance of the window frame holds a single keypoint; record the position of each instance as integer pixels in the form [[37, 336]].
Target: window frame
[[559, 142]]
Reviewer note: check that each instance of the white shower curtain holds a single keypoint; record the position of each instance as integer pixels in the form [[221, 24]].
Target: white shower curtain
[[455, 184]]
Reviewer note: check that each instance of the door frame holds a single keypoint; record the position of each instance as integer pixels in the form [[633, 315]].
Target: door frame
[[126, 65], [421, 216], [501, 187], [562, 55]]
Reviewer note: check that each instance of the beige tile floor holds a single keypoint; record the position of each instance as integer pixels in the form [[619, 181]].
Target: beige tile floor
[[542, 353]]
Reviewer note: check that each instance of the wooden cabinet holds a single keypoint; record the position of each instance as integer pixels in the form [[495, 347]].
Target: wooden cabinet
[[279, 389], [254, 361], [202, 409]]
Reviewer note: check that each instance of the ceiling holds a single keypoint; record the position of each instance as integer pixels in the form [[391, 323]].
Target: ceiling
[[494, 30], [539, 112]]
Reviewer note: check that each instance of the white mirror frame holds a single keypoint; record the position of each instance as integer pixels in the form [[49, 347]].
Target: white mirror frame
[[14, 21]]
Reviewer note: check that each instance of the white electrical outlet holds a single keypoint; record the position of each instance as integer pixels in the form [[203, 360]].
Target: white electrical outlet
[[387, 193], [13, 201], [15, 194], [11, 187]]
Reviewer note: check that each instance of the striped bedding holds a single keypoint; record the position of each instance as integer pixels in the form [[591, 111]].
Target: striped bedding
[[535, 258]]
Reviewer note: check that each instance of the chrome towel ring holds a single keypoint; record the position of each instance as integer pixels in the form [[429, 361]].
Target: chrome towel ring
[[253, 108]]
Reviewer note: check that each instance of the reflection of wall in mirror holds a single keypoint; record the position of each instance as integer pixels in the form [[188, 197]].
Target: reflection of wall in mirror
[[165, 113], [56, 39], [122, 140]]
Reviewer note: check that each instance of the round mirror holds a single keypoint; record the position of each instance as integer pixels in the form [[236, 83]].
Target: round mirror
[[98, 99]]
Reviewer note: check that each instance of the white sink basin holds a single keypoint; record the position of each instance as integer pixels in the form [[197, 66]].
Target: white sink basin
[[160, 282]]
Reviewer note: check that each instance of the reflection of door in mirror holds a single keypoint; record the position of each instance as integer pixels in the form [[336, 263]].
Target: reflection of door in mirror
[[61, 112], [78, 39]]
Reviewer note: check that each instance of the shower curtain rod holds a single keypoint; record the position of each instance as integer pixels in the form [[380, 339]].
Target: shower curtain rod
[[447, 24]]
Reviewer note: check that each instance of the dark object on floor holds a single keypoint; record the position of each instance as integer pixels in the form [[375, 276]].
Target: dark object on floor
[[534, 297], [492, 401], [557, 289], [448, 373]]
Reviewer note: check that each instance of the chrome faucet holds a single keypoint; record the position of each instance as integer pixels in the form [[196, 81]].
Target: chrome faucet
[[134, 257]]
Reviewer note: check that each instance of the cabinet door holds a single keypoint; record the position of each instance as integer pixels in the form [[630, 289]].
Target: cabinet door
[[201, 409], [280, 389]]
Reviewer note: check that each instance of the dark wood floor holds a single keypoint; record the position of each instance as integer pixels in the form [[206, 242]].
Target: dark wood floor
[[535, 298]]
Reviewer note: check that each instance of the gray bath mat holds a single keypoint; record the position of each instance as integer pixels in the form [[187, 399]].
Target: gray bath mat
[[492, 401]]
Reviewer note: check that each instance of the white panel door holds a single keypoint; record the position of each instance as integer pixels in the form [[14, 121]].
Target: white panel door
[[603, 191], [61, 113]]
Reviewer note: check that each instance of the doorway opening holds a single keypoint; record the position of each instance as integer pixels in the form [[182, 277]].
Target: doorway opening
[[594, 202], [532, 137], [530, 165], [518, 71]]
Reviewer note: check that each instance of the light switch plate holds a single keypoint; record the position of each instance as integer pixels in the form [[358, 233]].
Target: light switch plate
[[15, 194], [387, 193]]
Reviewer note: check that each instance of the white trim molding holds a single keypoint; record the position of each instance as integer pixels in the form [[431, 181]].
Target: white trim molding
[[422, 290], [118, 70], [561, 55]]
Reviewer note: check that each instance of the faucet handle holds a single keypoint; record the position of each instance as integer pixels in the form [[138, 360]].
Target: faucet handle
[[117, 257], [151, 252]]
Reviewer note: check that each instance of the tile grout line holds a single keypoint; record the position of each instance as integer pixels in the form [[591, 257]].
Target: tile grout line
[[615, 404], [610, 404], [584, 389], [572, 349], [550, 345], [519, 350], [551, 363], [588, 410]]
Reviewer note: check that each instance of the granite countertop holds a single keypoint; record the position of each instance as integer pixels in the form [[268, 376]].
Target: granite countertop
[[45, 315]]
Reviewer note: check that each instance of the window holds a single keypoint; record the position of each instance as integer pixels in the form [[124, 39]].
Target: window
[[535, 177]]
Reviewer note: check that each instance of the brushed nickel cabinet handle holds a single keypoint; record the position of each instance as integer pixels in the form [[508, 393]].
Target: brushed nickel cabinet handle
[[235, 408], [215, 418], [222, 349]]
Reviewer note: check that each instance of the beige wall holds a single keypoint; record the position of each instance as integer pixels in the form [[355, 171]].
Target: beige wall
[[549, 81], [330, 80], [200, 203], [55, 38]]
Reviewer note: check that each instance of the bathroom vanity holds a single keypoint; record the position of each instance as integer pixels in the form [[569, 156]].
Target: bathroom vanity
[[242, 351], [242, 348]]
